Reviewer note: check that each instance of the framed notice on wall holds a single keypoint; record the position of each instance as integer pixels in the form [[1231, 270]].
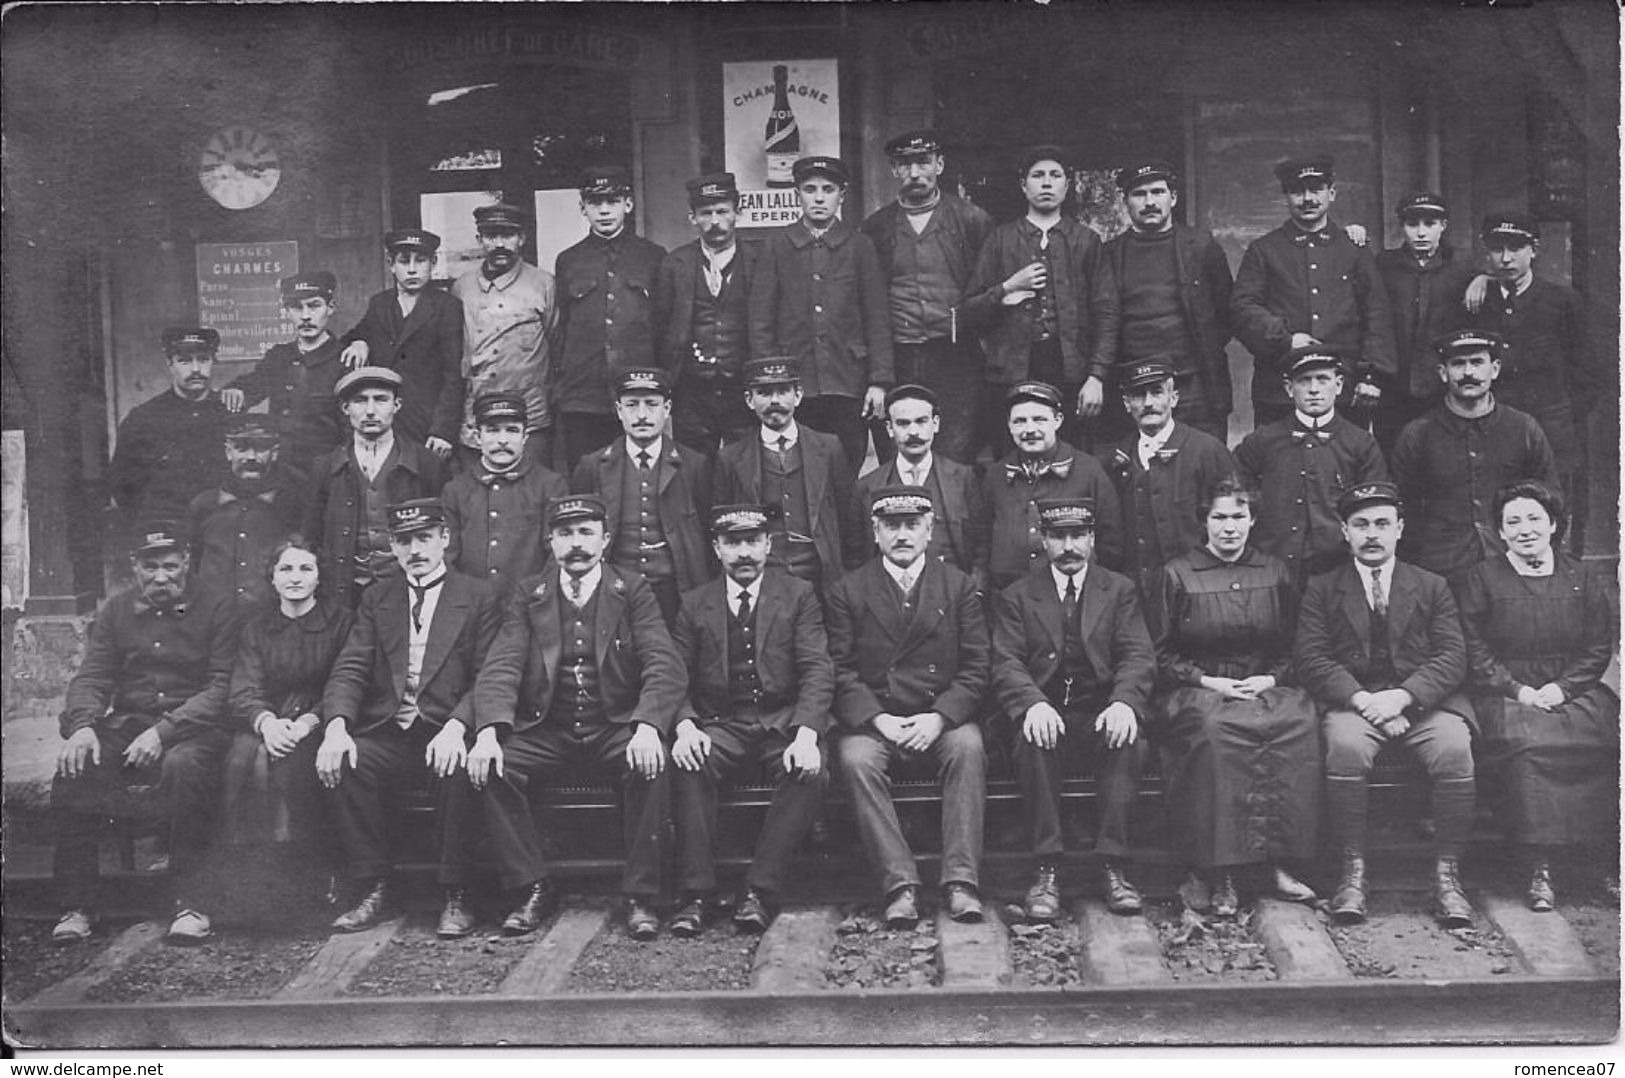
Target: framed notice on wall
[[773, 112], [239, 297]]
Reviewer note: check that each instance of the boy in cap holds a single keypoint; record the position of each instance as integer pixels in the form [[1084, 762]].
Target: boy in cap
[[910, 645], [1426, 279], [760, 686], [168, 448], [606, 312], [145, 723], [1073, 671], [702, 306], [509, 317], [1044, 289], [1307, 283], [298, 376], [398, 708], [656, 494], [231, 529], [818, 296], [582, 678], [927, 241], [497, 510], [357, 482], [1302, 464], [416, 329], [1380, 648]]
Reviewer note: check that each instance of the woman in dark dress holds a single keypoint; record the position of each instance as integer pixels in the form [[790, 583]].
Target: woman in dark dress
[[1240, 748], [1540, 630]]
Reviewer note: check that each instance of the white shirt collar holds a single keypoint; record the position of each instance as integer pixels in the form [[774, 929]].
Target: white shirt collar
[[923, 468], [1151, 444], [753, 589], [719, 260], [1061, 579], [770, 437], [912, 572], [1315, 424], [1385, 573], [589, 583], [380, 446], [633, 449]]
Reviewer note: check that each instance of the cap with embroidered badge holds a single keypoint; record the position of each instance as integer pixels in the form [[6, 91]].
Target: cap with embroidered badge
[[914, 144], [152, 536], [1459, 341], [1148, 371], [712, 187], [1421, 204], [738, 519], [253, 427], [833, 167], [1042, 152], [1309, 356], [1296, 173], [606, 181], [411, 239], [771, 371], [190, 339], [1149, 172], [1057, 513], [1042, 392], [575, 507], [1517, 227], [308, 285], [1378, 493], [415, 515], [501, 217], [898, 500], [644, 380], [363, 377], [908, 391], [493, 407]]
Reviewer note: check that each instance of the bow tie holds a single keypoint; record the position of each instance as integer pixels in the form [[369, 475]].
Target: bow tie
[[141, 606], [1319, 239], [229, 496], [1303, 434], [1034, 472], [492, 479]]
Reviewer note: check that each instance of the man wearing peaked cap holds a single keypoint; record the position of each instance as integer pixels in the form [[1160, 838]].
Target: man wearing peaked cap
[[417, 330], [1426, 279], [760, 687], [818, 295], [145, 723], [927, 241], [607, 318], [399, 708], [167, 449], [1173, 289], [497, 510], [1379, 646], [583, 679], [910, 645], [702, 298], [1073, 672], [1550, 369], [1450, 462], [658, 493], [1307, 282]]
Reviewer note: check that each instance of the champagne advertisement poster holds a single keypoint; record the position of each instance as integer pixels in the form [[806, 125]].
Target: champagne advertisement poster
[[773, 113]]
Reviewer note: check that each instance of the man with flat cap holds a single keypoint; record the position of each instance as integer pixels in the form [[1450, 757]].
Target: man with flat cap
[[145, 727], [1173, 293], [702, 304], [657, 494], [1073, 668], [1380, 648], [1162, 474], [168, 448], [1041, 467], [231, 529], [801, 475], [910, 644], [1426, 279], [509, 315], [1451, 461], [356, 483], [927, 241], [760, 683], [606, 312], [398, 708], [819, 297], [1303, 464], [298, 376], [416, 329], [583, 679], [1306, 283], [496, 511], [1043, 288], [913, 426]]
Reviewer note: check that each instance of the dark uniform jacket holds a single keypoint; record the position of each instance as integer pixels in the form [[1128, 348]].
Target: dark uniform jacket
[[837, 539], [1204, 285], [231, 533], [368, 682], [823, 303], [679, 275], [299, 386], [1085, 297], [606, 317], [426, 349], [964, 228], [1010, 500], [1426, 301], [640, 673], [933, 657], [1332, 650], [684, 484], [792, 654], [960, 535], [1181, 473], [1029, 635], [167, 451], [498, 522], [168, 669]]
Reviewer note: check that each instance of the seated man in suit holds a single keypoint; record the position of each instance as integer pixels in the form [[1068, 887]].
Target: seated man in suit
[[583, 679], [760, 687], [1380, 647], [399, 705], [910, 645], [1073, 668]]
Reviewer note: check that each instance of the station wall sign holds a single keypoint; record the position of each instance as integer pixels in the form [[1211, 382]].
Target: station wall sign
[[238, 295]]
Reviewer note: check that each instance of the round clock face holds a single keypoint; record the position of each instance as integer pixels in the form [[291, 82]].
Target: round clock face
[[239, 167]]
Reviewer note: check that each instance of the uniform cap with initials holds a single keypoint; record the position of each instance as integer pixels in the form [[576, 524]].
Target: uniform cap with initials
[[1517, 227], [366, 377], [493, 407], [712, 187], [1149, 172], [253, 428], [899, 501], [155, 535], [411, 239], [606, 181], [737, 519], [1042, 392], [415, 515], [771, 371], [309, 285], [575, 507], [1148, 371], [1310, 356], [914, 144], [191, 339], [1379, 493], [833, 167], [1460, 341], [1296, 173], [644, 380], [500, 217], [1057, 513], [1422, 204]]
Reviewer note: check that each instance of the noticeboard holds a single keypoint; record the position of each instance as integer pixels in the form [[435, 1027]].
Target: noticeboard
[[238, 296]]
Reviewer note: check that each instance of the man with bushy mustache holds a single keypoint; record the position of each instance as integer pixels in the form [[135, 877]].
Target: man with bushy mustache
[[231, 529]]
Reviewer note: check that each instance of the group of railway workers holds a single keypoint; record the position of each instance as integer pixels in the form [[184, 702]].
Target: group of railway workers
[[381, 587]]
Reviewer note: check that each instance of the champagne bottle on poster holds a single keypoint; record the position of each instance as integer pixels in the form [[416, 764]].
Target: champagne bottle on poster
[[783, 139]]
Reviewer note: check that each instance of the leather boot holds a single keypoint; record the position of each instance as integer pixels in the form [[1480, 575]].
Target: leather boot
[[1348, 901], [456, 917], [1453, 908], [374, 908], [1540, 896]]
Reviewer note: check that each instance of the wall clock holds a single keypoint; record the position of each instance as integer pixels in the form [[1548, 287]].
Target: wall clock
[[239, 167]]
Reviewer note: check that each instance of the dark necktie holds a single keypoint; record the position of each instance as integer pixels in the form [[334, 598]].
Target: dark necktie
[[575, 592], [643, 460], [419, 593], [1378, 602], [1069, 602], [1509, 298], [744, 608], [784, 448]]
